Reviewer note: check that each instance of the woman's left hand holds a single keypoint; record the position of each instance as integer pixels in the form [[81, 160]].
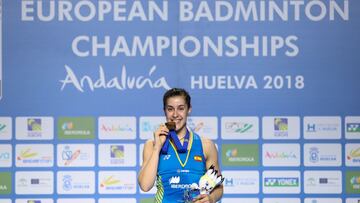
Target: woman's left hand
[[203, 198]]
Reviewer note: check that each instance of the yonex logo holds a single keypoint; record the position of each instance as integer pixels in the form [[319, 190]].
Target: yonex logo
[[282, 182]]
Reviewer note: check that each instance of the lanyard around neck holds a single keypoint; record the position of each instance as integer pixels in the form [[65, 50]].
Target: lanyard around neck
[[183, 164], [180, 148]]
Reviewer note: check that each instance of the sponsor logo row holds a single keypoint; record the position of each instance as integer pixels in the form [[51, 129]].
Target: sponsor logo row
[[113, 128], [289, 155], [124, 182], [150, 200], [68, 155], [125, 155], [72, 200]]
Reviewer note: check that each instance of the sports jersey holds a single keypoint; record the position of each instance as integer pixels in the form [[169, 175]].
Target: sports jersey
[[177, 171]]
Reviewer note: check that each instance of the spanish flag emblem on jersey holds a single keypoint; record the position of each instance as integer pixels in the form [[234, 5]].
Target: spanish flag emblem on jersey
[[198, 158]]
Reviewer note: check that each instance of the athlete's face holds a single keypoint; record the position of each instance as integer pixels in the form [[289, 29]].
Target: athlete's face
[[176, 110]]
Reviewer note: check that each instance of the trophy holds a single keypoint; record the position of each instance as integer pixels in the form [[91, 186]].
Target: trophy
[[207, 183]]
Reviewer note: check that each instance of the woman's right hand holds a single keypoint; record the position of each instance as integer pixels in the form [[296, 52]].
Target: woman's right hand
[[160, 135]]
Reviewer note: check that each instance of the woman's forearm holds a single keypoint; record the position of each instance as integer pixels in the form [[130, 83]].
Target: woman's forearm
[[147, 175]]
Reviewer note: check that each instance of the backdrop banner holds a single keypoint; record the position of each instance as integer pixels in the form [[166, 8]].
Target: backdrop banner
[[273, 83]]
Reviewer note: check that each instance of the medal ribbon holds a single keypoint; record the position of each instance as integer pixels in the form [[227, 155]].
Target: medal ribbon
[[180, 148]]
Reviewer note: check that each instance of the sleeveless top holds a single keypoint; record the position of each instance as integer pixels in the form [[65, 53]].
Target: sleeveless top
[[176, 172]]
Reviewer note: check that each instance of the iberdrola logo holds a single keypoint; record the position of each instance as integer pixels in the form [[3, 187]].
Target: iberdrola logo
[[26, 154], [109, 181], [231, 153], [68, 126], [355, 180], [354, 153]]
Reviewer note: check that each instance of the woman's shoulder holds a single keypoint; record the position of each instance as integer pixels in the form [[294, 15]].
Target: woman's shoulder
[[206, 141], [207, 145], [210, 150]]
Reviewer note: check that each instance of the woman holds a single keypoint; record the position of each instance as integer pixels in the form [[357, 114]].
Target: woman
[[177, 163]]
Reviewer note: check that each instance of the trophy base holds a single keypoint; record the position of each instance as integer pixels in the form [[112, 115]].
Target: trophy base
[[189, 195]]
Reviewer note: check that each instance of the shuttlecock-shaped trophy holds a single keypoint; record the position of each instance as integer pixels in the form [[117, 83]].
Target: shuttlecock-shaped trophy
[[208, 181]]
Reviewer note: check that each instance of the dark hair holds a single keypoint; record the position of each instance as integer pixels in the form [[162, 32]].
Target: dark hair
[[177, 92]]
